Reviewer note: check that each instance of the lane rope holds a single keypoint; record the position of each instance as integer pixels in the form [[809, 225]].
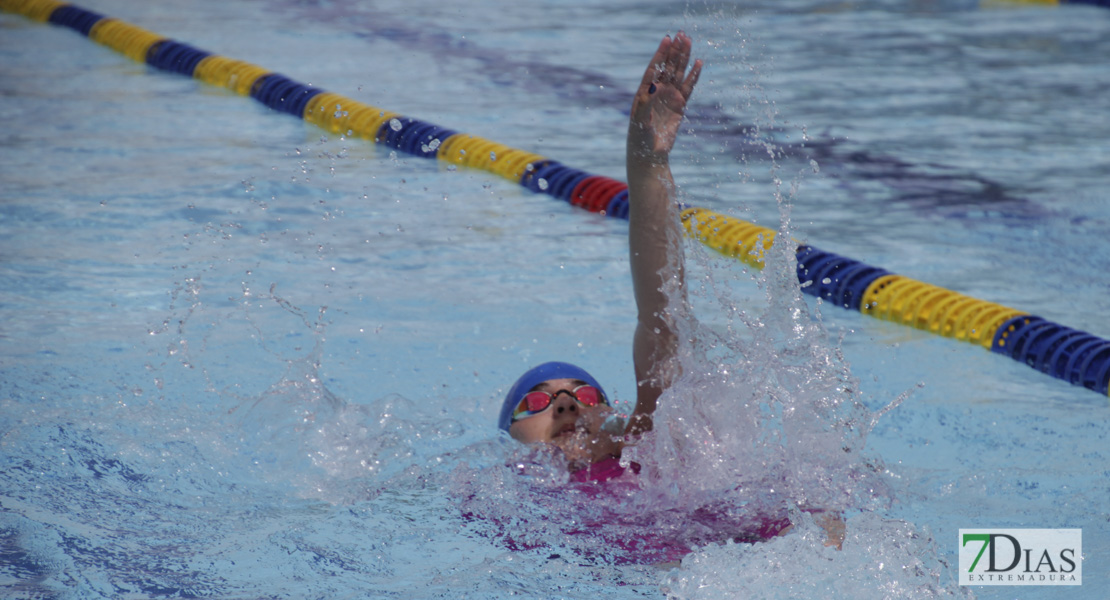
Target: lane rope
[[1075, 356]]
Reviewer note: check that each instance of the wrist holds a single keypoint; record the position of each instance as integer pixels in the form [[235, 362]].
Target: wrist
[[647, 159]]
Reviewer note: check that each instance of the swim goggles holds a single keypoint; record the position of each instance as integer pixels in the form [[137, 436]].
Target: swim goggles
[[536, 401]]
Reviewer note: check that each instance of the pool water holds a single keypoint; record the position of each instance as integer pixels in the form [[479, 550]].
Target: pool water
[[242, 358]]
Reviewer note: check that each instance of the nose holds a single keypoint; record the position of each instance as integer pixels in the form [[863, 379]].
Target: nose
[[565, 403]]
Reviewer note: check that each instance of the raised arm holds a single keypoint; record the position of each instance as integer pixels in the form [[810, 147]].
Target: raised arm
[[654, 236]]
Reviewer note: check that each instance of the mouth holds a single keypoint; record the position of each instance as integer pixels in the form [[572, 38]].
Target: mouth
[[566, 430]]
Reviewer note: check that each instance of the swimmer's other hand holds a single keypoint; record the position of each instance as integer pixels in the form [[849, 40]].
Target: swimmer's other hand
[[834, 526]]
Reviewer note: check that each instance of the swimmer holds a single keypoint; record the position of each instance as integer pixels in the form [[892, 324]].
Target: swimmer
[[561, 404]]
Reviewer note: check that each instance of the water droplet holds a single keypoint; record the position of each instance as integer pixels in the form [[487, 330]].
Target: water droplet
[[542, 183], [395, 124], [492, 156]]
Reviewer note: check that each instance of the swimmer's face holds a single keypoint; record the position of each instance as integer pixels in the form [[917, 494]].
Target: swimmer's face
[[573, 428]]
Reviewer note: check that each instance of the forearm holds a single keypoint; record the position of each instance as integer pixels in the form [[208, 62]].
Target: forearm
[[654, 236], [656, 259]]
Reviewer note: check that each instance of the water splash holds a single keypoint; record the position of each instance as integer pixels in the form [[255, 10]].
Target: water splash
[[765, 421]]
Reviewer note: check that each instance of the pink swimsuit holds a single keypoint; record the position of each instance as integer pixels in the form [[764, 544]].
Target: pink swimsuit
[[603, 470], [595, 516], [606, 478]]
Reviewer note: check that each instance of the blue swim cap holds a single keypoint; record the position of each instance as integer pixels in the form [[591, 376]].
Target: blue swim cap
[[536, 376]]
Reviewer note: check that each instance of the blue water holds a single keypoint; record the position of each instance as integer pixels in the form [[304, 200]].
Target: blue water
[[243, 359]]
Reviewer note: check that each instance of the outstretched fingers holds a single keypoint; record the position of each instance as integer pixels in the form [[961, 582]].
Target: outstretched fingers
[[678, 56], [669, 64]]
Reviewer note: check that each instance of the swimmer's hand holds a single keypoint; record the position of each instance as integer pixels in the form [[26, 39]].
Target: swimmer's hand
[[661, 99], [834, 526], [832, 523]]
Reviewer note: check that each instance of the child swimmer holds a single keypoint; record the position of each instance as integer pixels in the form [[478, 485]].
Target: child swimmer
[[561, 404]]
